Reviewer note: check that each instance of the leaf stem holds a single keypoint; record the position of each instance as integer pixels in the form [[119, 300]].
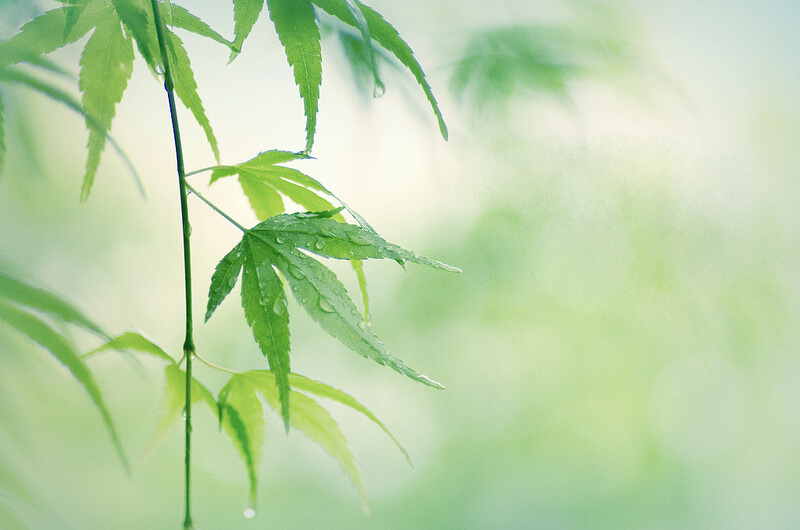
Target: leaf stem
[[202, 170], [214, 206], [215, 366], [188, 344]]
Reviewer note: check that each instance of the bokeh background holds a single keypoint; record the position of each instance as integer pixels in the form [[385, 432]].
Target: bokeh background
[[620, 188]]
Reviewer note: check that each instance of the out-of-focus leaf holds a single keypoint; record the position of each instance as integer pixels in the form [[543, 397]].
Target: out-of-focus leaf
[[132, 341], [297, 30], [60, 347], [245, 14], [106, 66], [388, 37]]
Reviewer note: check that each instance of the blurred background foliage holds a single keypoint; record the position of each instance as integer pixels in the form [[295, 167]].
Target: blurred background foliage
[[621, 351]]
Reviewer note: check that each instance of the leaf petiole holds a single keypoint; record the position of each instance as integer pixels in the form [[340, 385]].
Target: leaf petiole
[[213, 206]]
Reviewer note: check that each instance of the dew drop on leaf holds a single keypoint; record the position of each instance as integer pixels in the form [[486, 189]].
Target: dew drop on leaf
[[183, 413], [304, 301], [362, 325], [279, 240], [297, 273], [295, 288], [249, 513], [319, 244], [279, 306], [326, 305]]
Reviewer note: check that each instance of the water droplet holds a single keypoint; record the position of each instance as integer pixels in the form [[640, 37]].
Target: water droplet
[[381, 250], [416, 256], [354, 311], [297, 273], [304, 301], [249, 513], [326, 305], [319, 244], [357, 239], [279, 306], [279, 240], [295, 288], [183, 413], [326, 232], [378, 90], [362, 325]]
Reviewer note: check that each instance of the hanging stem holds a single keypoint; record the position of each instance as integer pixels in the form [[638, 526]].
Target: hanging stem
[[188, 344]]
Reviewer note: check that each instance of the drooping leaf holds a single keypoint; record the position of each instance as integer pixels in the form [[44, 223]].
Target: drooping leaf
[[61, 349], [224, 279], [263, 180], [186, 87], [174, 403], [367, 50], [180, 17], [323, 296], [11, 75], [265, 309], [242, 417], [305, 384], [297, 30], [41, 300], [132, 341], [315, 422], [388, 37], [106, 66], [245, 14]]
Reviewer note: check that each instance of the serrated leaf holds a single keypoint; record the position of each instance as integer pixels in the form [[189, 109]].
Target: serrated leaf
[[180, 17], [245, 14], [106, 66], [388, 37], [316, 423], [323, 296], [326, 237], [175, 402], [74, 10], [265, 309], [358, 267], [367, 49], [132, 341], [186, 87], [61, 349], [138, 21], [45, 33], [305, 384], [16, 76], [47, 302], [242, 417], [297, 30], [224, 279], [262, 180]]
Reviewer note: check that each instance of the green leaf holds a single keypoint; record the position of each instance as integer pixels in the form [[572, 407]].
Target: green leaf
[[265, 310], [137, 20], [315, 422], [388, 37], [323, 296], [368, 51], [2, 135], [262, 180], [358, 267], [186, 87], [245, 14], [106, 66], [305, 384], [180, 17], [242, 417], [175, 403], [41, 300], [16, 76], [132, 341], [326, 237], [45, 33], [60, 347], [297, 30], [74, 10], [224, 278]]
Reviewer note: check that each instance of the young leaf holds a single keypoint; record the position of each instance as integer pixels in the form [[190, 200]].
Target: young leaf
[[305, 384], [106, 66], [315, 422], [388, 37], [242, 417], [298, 32], [224, 279], [180, 17], [60, 347], [266, 312], [245, 14], [41, 300], [186, 87], [175, 403], [262, 180]]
